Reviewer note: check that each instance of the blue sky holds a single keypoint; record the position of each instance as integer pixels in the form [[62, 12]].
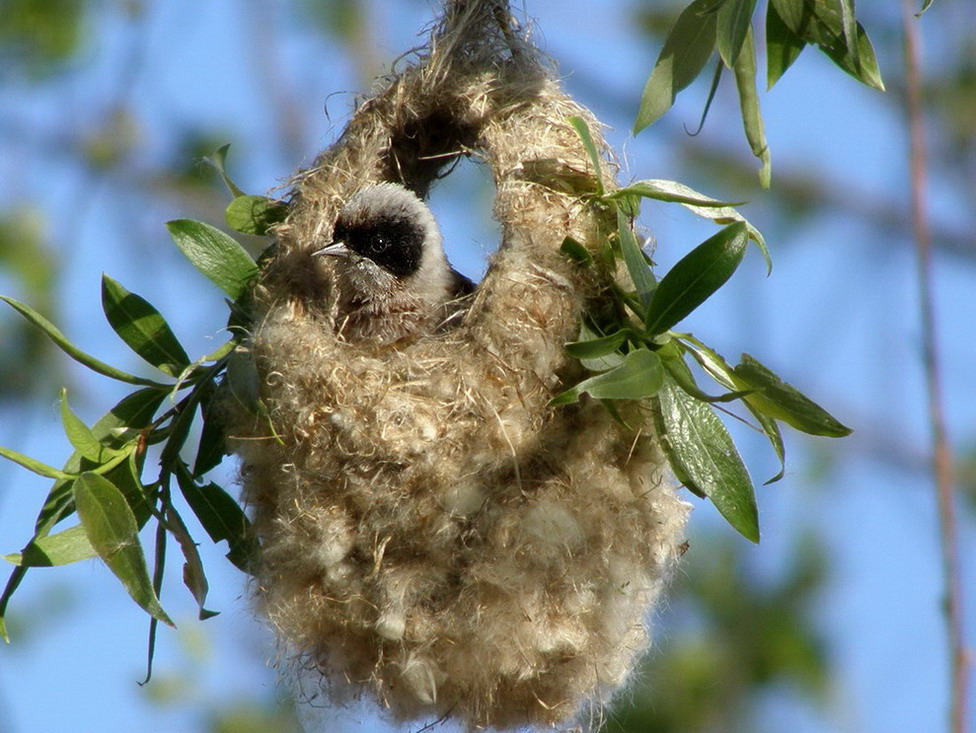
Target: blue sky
[[838, 317]]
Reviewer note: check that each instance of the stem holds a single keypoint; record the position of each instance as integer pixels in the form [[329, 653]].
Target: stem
[[942, 468]]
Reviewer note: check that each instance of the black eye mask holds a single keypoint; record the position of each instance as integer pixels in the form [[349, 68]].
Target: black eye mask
[[394, 243]]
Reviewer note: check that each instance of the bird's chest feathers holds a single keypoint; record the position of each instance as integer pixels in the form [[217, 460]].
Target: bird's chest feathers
[[384, 317]]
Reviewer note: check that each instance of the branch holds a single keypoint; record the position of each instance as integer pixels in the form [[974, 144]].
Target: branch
[[942, 457]]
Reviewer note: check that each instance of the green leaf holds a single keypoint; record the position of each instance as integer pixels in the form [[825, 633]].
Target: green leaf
[[638, 376], [733, 23], [112, 531], [710, 360], [771, 430], [583, 130], [637, 267], [212, 448], [65, 547], [596, 362], [827, 24], [696, 276], [142, 328], [179, 427], [194, 577], [673, 359], [61, 341], [41, 469], [783, 46], [576, 251], [703, 455], [686, 50], [850, 34], [218, 161], [784, 402], [727, 215], [221, 517], [865, 68], [244, 382], [671, 192], [925, 6], [255, 214], [745, 80], [133, 413], [81, 436], [219, 257], [595, 348]]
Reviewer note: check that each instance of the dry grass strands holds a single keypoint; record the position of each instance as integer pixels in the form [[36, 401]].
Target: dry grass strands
[[433, 533]]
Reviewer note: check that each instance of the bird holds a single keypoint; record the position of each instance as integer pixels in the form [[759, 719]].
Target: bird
[[393, 279]]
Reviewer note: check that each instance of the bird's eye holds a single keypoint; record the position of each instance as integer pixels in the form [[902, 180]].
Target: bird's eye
[[378, 244]]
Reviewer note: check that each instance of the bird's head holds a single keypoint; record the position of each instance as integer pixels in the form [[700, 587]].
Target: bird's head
[[385, 240]]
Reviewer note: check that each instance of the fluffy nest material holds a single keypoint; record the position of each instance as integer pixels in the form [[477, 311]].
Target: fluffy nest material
[[432, 532]]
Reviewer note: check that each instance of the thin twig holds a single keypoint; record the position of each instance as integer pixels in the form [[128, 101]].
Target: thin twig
[[941, 453]]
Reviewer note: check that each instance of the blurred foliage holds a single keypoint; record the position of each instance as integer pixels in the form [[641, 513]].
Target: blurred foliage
[[343, 19], [727, 639], [181, 687], [27, 363], [39, 37]]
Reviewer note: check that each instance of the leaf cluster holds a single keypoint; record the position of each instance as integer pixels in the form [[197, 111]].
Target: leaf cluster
[[103, 485], [706, 28], [633, 353]]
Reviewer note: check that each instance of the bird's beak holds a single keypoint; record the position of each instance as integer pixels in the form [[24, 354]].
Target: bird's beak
[[336, 249]]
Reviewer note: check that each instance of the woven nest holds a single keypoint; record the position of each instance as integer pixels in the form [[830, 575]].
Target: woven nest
[[433, 533]]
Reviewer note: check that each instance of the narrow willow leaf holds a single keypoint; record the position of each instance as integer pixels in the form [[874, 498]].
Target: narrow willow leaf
[[576, 251], [784, 402], [870, 72], [675, 365], [671, 192], [823, 24], [772, 432], [696, 276], [179, 427], [254, 214], [783, 46], [597, 364], [211, 449], [221, 518], [219, 257], [244, 382], [702, 452], [686, 50], [134, 412], [61, 341], [65, 547], [745, 81], [194, 577], [727, 215], [81, 437], [41, 469], [637, 267], [796, 14], [865, 69], [142, 328], [638, 376], [733, 22], [925, 6], [850, 34], [711, 361], [579, 124], [112, 531], [218, 160], [594, 348]]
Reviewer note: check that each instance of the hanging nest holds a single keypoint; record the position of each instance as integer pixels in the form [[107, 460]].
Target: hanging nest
[[432, 532]]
